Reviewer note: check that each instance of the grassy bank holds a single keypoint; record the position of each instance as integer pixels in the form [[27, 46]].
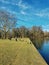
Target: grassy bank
[[19, 52]]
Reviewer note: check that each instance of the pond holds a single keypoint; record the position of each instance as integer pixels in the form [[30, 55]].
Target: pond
[[44, 50]]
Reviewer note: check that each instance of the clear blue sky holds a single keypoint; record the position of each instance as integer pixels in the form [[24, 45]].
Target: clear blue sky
[[28, 12]]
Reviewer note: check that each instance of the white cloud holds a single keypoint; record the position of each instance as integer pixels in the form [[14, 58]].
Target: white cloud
[[23, 5], [12, 12], [43, 13], [39, 14], [8, 10], [23, 12], [3, 1], [20, 4], [3, 7]]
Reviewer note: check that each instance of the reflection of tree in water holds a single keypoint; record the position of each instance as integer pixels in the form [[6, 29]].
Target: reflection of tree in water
[[38, 43], [46, 38]]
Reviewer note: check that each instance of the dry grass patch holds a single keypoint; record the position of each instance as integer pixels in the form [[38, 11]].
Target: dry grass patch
[[19, 52]]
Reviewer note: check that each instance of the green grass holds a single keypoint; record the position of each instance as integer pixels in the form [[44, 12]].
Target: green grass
[[19, 52]]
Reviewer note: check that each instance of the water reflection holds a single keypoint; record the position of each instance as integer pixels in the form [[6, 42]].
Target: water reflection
[[38, 43], [43, 47], [44, 50]]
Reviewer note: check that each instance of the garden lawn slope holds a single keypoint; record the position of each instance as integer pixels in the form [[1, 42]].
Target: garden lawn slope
[[20, 52]]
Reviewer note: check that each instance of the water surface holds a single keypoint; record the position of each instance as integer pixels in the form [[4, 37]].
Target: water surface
[[44, 50]]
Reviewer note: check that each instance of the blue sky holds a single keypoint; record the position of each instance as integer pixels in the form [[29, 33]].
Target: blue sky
[[28, 12]]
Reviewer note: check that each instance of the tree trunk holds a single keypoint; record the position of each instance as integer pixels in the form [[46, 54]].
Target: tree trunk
[[5, 35]]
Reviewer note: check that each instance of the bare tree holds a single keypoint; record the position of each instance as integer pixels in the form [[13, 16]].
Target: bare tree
[[23, 31], [7, 22]]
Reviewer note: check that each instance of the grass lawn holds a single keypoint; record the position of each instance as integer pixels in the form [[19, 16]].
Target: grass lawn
[[19, 52]]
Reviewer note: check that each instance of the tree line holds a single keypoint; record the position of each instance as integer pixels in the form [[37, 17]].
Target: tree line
[[8, 29]]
